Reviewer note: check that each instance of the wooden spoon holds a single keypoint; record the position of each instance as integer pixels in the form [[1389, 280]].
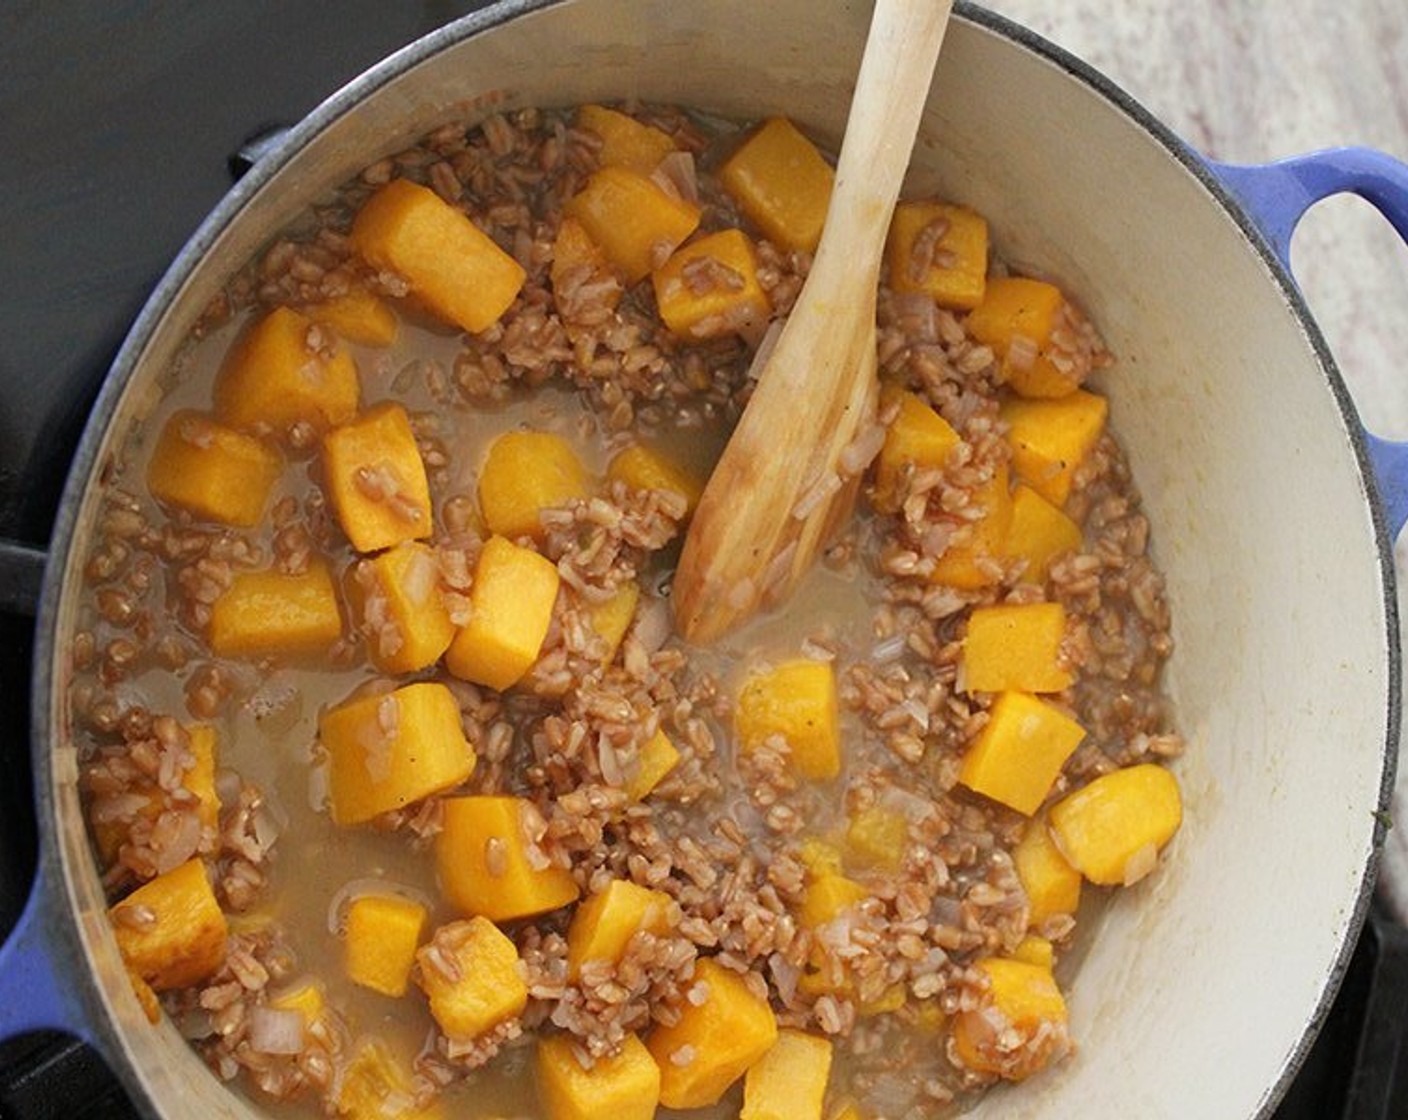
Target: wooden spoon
[[790, 472]]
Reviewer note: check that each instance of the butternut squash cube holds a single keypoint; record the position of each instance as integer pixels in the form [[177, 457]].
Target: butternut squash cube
[[877, 837], [484, 985], [1051, 438], [1016, 647], [827, 896], [645, 468], [780, 181], [796, 700], [636, 223], [658, 756], [1111, 831], [710, 288], [1025, 998], [171, 931], [396, 596], [624, 1086], [625, 142], [714, 1042], [603, 925], [271, 612], [525, 473], [381, 935], [613, 618], [1020, 751], [918, 435], [511, 602], [1035, 950], [941, 251], [376, 479], [387, 751], [358, 316], [789, 1081], [584, 288], [451, 265], [212, 471], [1038, 533], [969, 564], [273, 378], [1016, 318], [490, 866], [376, 1085], [1052, 885]]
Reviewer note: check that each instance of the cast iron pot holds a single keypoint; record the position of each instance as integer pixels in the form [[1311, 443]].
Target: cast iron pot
[[1204, 985]]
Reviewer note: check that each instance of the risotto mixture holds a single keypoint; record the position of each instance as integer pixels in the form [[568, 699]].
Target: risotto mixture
[[409, 800]]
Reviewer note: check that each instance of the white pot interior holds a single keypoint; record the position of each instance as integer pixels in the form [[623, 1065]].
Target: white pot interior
[[1199, 988]]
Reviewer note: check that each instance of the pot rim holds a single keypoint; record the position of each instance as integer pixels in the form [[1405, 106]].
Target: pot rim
[[52, 866]]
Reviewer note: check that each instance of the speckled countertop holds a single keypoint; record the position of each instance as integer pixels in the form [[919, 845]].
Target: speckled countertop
[[1253, 80]]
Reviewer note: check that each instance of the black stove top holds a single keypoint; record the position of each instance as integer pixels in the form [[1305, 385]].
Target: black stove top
[[118, 120]]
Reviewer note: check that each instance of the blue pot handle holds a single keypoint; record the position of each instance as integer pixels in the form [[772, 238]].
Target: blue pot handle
[[39, 971], [1276, 196]]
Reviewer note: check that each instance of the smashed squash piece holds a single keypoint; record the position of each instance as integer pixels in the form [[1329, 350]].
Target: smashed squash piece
[[827, 896], [657, 757], [1038, 533], [939, 250], [613, 618], [286, 370], [451, 265], [974, 561], [171, 931], [797, 701], [1020, 751], [396, 596], [483, 985], [1016, 318], [1051, 438], [781, 182], [709, 287], [604, 924], [376, 479], [625, 141], [525, 473], [1051, 884], [1016, 647], [636, 224], [490, 866], [358, 316], [1025, 1004], [917, 437], [511, 603], [377, 1086], [624, 1086], [877, 837], [714, 1041], [272, 612], [212, 471], [1035, 950], [380, 937], [1111, 831], [642, 467], [789, 1081], [386, 751]]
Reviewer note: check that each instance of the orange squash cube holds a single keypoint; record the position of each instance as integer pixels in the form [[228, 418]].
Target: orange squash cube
[[613, 618], [1035, 950], [389, 750], [624, 1086], [877, 837], [796, 700], [488, 987], [1038, 533], [918, 435], [827, 896], [271, 612], [212, 471], [1016, 647], [489, 865], [525, 473], [381, 934], [171, 931], [604, 924], [789, 1081], [1026, 999], [941, 251], [376, 1085], [376, 479], [780, 181], [658, 756], [971, 564], [636, 223], [358, 316], [451, 265], [396, 595], [512, 602], [584, 289], [625, 142], [1051, 438], [1111, 831], [1020, 751], [1052, 885], [714, 1041], [710, 287], [273, 378], [1016, 318], [642, 467]]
